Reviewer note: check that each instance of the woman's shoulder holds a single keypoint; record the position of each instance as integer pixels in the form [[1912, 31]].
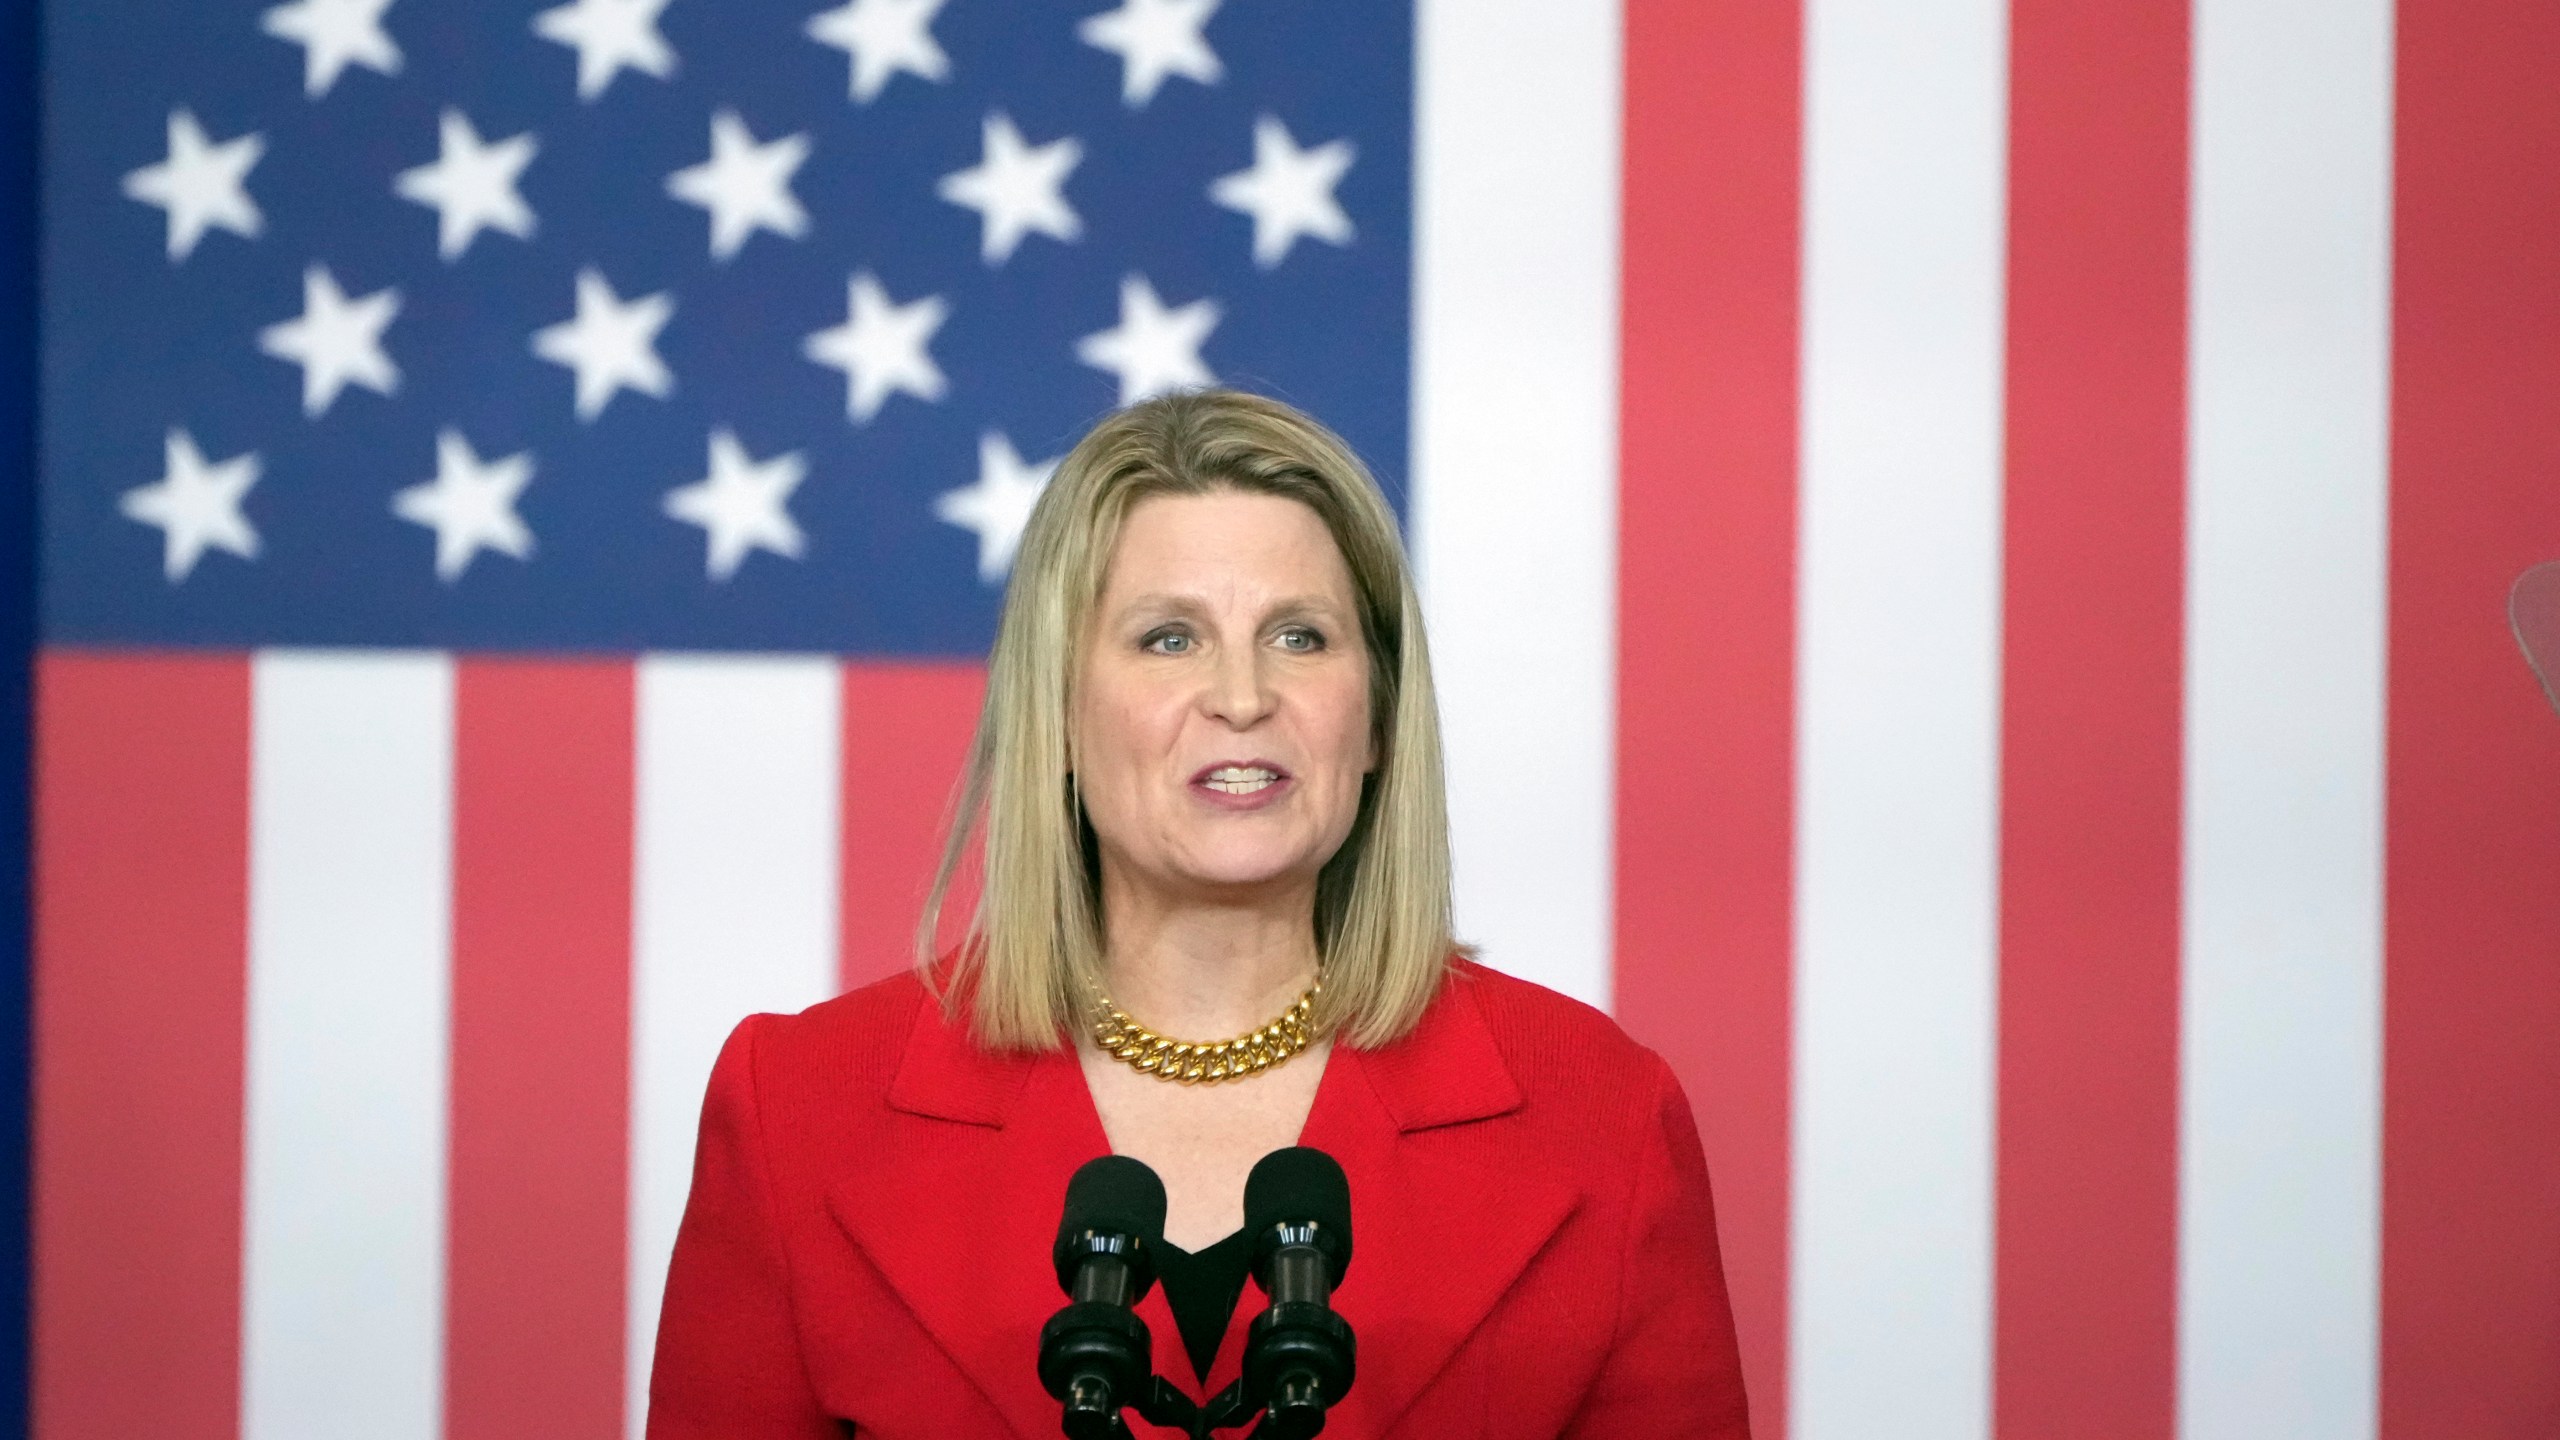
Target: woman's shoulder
[[1527, 1011], [1553, 1044], [856, 1037]]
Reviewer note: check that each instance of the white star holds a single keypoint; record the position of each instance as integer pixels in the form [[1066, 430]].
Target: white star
[[612, 344], [471, 186], [334, 34], [745, 186], [999, 505], [471, 505], [196, 505], [608, 35], [200, 184], [336, 341], [1155, 39], [881, 38], [742, 505], [1014, 189], [881, 347], [1153, 350], [1288, 192]]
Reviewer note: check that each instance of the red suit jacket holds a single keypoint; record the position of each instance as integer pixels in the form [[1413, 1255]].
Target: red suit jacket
[[874, 1199]]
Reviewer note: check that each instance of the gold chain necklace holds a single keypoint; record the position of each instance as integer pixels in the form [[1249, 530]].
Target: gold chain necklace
[[1148, 1053]]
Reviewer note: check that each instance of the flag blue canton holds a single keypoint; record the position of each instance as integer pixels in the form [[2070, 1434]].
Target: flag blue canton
[[627, 324]]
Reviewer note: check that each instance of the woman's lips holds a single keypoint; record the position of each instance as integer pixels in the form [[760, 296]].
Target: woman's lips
[[1241, 785]]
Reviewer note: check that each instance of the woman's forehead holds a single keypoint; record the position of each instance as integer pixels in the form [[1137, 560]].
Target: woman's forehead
[[1224, 545]]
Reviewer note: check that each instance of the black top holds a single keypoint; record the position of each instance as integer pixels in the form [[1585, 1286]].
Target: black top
[[1203, 1288]]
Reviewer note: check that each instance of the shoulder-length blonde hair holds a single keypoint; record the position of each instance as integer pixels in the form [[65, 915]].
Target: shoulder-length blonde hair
[[1034, 943]]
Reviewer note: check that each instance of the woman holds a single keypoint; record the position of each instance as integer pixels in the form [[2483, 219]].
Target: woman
[[1206, 784]]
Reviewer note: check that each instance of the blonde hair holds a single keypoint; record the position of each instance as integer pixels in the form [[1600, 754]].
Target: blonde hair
[[1034, 943]]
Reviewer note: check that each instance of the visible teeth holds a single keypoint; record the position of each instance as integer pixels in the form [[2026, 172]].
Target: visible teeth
[[1240, 779]]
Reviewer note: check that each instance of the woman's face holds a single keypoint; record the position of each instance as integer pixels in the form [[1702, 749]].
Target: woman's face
[[1222, 715]]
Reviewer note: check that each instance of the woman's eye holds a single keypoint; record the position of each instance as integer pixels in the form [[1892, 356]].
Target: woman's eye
[[1301, 641], [1169, 642]]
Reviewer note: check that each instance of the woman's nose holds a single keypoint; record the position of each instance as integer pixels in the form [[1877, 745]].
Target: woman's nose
[[1239, 691]]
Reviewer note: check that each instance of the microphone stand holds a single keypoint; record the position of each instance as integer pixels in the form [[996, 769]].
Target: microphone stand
[[1240, 1402], [1228, 1409], [1164, 1404]]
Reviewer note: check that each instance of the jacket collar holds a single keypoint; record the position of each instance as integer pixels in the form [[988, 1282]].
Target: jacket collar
[[946, 1075], [1448, 1071], [1416, 1125]]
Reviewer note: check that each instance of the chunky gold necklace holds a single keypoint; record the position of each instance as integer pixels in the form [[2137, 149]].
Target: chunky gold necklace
[[1148, 1053]]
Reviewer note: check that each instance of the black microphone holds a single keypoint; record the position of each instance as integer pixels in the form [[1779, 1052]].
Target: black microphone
[[1094, 1354], [1298, 1355]]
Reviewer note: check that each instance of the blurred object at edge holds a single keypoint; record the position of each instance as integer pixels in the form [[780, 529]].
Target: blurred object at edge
[[2533, 607]]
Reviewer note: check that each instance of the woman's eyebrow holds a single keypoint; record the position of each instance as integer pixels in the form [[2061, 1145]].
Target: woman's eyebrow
[[1316, 605], [1161, 604]]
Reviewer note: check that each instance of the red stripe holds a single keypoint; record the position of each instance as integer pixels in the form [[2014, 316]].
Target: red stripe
[[2471, 1111], [541, 1049], [1706, 602], [906, 735], [142, 860], [2094, 546]]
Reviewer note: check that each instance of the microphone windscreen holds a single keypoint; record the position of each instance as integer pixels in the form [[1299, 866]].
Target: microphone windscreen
[[1115, 1195], [1294, 1186]]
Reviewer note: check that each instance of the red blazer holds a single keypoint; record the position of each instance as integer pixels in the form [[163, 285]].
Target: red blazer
[[874, 1200]]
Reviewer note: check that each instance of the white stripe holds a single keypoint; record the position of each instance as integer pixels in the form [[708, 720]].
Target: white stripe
[[734, 909], [351, 824], [1515, 450], [2288, 393], [1899, 655]]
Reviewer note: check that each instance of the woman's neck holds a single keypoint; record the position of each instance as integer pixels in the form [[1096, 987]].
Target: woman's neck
[[1203, 970]]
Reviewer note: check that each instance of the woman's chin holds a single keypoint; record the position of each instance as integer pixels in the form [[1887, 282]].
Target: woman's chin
[[1243, 876]]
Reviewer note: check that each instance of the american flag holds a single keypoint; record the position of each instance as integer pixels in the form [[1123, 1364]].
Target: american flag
[[1964, 544]]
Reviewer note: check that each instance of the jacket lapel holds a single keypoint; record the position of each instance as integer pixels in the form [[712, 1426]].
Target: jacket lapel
[[961, 1223], [1447, 1211]]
